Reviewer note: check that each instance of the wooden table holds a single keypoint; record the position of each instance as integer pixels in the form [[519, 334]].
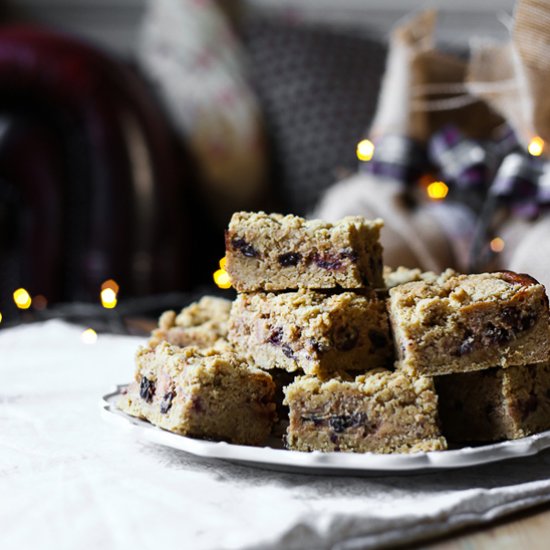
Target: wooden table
[[528, 530]]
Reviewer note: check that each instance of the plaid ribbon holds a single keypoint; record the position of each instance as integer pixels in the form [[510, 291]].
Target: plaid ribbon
[[487, 176], [397, 157], [497, 168]]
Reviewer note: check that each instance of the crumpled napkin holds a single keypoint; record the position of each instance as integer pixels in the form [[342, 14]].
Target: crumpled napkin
[[70, 480]]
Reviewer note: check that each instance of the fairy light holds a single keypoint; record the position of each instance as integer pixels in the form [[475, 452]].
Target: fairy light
[[437, 190], [109, 293], [221, 277], [365, 150], [112, 284], [89, 336], [22, 298], [108, 298], [497, 244], [536, 146], [0, 316]]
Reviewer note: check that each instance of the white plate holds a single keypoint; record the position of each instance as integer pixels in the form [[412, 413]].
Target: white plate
[[322, 463]]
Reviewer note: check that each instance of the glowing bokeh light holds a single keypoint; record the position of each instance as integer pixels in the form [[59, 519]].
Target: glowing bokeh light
[[536, 146], [22, 298], [89, 336], [112, 284], [497, 244], [223, 261], [221, 278], [437, 190], [108, 298], [365, 150]]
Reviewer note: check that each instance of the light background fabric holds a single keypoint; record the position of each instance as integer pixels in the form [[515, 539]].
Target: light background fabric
[[69, 480]]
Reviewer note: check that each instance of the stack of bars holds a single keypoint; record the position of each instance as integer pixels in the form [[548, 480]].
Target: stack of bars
[[348, 356]]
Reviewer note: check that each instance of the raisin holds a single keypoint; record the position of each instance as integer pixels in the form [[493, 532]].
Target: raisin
[[349, 254], [513, 318], [289, 259], [345, 338], [495, 335], [328, 261], [276, 336], [287, 350], [166, 402], [337, 423], [340, 423], [377, 338], [146, 389], [317, 346], [245, 248]]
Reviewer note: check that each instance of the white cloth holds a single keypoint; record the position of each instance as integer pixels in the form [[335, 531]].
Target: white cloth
[[68, 480]]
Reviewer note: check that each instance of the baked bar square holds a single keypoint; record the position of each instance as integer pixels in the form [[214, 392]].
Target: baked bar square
[[379, 412], [201, 324], [470, 322], [314, 332], [495, 404], [203, 393], [274, 252]]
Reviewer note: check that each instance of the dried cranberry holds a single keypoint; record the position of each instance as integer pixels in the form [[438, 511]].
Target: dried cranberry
[[328, 261], [287, 350], [146, 389], [166, 402], [289, 259], [276, 336], [245, 248]]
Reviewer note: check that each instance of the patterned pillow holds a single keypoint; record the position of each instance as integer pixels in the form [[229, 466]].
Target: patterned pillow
[[318, 89]]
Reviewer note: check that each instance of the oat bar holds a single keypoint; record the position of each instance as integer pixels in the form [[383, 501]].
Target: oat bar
[[470, 322], [202, 324], [314, 332], [379, 412], [273, 252], [202, 393], [495, 404]]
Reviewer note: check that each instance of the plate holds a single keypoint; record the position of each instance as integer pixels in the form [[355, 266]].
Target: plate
[[316, 462]]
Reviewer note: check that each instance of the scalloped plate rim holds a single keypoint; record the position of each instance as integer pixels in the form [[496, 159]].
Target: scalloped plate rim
[[319, 462]]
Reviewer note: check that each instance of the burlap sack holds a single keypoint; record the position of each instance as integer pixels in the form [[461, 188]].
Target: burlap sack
[[513, 78], [425, 88]]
